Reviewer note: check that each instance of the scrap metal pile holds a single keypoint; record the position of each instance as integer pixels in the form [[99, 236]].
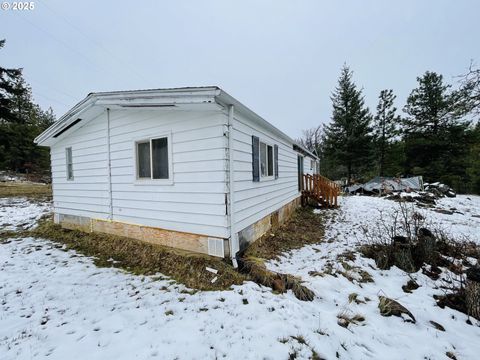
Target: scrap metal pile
[[408, 189]]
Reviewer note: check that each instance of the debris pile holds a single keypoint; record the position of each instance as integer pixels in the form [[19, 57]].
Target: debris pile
[[439, 189], [384, 185], [411, 189]]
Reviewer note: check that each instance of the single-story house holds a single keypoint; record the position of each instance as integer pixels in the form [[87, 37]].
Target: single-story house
[[189, 168]]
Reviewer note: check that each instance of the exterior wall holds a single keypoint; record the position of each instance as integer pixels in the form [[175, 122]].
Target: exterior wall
[[194, 202], [192, 209], [255, 201], [87, 193]]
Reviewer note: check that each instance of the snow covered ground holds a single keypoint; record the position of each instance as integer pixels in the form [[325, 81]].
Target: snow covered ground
[[21, 213], [57, 303]]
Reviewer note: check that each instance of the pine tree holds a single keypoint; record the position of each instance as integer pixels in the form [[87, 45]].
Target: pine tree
[[434, 132], [8, 77], [385, 127], [21, 120], [348, 142], [473, 167]]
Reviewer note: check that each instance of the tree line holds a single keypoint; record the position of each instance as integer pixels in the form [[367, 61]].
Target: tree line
[[437, 135], [21, 120]]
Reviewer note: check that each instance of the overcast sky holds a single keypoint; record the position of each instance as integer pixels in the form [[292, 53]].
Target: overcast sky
[[280, 58]]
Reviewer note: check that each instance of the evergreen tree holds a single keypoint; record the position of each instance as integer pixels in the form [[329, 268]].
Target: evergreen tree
[[347, 142], [21, 120], [473, 169], [385, 127], [8, 77], [434, 133]]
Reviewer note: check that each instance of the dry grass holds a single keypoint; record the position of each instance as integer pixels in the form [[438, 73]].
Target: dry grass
[[144, 258], [255, 268], [26, 189], [344, 320], [302, 229]]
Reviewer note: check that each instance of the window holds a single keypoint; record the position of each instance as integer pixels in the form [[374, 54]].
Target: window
[[312, 165], [266, 160], [69, 161], [153, 159]]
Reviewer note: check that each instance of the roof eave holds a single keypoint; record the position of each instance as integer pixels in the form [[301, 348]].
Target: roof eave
[[105, 99], [225, 99]]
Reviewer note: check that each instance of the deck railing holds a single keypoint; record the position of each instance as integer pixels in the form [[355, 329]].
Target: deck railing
[[321, 189]]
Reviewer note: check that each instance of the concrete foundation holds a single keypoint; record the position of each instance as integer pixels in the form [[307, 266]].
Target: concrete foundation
[[271, 221], [176, 239]]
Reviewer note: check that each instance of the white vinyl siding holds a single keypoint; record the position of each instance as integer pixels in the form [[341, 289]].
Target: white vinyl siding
[[87, 195], [193, 200], [255, 200]]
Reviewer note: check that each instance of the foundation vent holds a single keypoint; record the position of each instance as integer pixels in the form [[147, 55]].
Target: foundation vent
[[215, 247]]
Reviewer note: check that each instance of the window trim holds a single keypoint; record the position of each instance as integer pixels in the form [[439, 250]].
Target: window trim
[[69, 163], [266, 177], [151, 181]]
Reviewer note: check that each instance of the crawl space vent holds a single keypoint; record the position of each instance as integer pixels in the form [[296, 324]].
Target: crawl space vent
[[215, 247]]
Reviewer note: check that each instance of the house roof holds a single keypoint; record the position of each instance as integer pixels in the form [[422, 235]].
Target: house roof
[[153, 98]]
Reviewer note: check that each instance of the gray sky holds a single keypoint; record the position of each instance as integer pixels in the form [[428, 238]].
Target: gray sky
[[280, 58]]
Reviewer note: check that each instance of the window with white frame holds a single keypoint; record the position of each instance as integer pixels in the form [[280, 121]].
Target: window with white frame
[[266, 160], [153, 159], [69, 163]]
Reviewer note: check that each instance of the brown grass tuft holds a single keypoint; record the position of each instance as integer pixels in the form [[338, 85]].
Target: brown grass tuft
[[302, 229]]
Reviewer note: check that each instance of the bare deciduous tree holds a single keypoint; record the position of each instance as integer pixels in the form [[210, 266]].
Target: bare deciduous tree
[[312, 138], [470, 89]]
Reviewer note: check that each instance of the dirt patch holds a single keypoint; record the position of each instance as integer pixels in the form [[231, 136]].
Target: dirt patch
[[302, 229], [26, 189], [144, 258]]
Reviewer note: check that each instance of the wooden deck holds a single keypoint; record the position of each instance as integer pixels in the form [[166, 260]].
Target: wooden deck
[[320, 189]]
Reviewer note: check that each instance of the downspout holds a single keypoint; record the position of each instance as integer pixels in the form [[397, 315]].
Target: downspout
[[233, 241], [109, 168]]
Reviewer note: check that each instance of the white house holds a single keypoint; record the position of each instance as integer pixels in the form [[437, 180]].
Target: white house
[[190, 168]]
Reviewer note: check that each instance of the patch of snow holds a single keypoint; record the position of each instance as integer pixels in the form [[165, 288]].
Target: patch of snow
[[21, 213]]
